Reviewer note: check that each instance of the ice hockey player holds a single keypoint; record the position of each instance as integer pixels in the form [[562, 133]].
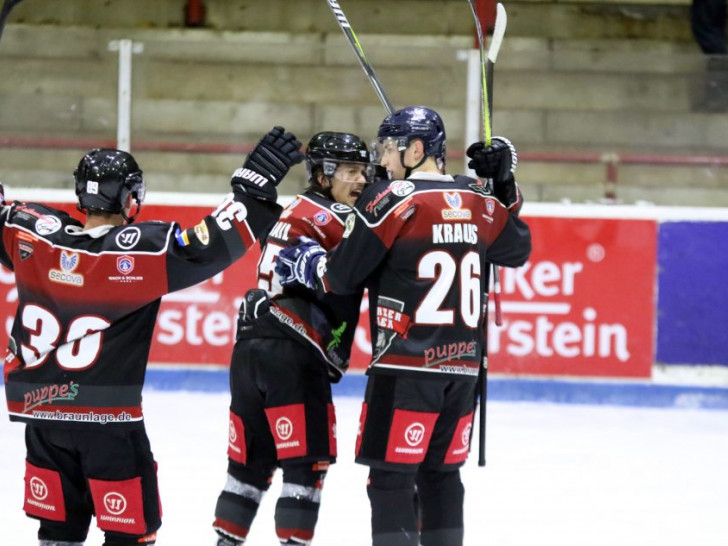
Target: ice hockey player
[[420, 243], [88, 297], [288, 351]]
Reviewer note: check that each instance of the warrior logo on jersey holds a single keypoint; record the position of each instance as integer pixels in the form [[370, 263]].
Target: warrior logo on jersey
[[69, 261], [402, 188], [128, 238], [47, 225], [125, 264], [340, 207], [391, 322], [455, 212], [321, 218]]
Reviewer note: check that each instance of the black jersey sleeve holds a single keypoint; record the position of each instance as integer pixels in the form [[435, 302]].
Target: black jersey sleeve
[[512, 247], [196, 254]]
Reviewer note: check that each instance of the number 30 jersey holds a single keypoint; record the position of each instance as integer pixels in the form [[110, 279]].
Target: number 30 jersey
[[422, 246], [88, 302]]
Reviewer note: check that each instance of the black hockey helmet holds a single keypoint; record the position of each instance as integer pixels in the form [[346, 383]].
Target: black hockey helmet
[[105, 178], [327, 149], [415, 122]]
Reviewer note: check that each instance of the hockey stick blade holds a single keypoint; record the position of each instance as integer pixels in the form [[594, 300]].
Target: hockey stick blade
[[501, 21], [8, 6]]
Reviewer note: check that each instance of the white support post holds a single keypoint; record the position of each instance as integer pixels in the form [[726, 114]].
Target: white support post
[[125, 48]]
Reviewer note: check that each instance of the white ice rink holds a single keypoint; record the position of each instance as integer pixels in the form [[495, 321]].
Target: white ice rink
[[561, 475]]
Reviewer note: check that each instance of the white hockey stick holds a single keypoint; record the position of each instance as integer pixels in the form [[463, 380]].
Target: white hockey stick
[[340, 17]]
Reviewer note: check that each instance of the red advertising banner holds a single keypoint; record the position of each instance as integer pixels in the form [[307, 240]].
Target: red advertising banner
[[583, 305]]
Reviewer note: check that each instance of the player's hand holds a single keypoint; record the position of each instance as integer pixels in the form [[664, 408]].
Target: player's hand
[[497, 162], [267, 164], [304, 263]]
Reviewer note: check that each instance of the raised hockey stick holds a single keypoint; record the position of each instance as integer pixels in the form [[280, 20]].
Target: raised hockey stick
[[487, 65], [8, 5], [340, 17]]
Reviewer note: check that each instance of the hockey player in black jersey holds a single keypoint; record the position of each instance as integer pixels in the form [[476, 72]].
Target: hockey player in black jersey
[[88, 297], [421, 244], [287, 352]]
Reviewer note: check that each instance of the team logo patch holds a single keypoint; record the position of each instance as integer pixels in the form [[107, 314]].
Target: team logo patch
[[455, 212], [340, 207], [69, 262], [25, 250], [203, 235], [125, 264], [349, 225], [489, 206], [128, 237], [401, 188], [321, 218], [47, 225]]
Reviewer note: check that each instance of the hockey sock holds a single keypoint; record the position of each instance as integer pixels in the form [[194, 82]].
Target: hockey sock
[[238, 502], [441, 499], [391, 495], [298, 506]]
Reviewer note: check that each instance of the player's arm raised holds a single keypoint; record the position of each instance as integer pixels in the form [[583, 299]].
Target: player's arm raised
[[246, 215]]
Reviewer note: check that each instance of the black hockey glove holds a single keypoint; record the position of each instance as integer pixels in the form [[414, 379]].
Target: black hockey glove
[[267, 164], [497, 162], [2, 194]]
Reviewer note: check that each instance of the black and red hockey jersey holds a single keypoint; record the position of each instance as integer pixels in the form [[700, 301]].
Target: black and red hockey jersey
[[420, 246], [88, 301], [325, 321]]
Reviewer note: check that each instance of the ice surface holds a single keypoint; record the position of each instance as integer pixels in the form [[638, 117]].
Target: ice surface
[[561, 475]]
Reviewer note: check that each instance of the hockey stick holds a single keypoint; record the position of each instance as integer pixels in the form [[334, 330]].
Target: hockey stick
[[487, 68], [340, 17], [8, 5]]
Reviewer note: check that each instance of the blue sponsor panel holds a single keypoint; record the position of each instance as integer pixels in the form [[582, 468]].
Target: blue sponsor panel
[[692, 308]]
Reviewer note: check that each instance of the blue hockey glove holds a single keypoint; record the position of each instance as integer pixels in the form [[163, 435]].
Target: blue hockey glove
[[301, 263]]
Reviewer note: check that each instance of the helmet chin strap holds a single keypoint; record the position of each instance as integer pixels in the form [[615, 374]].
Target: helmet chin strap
[[130, 219], [408, 170]]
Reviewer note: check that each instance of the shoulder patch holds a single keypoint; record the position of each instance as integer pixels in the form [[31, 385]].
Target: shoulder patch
[[47, 225], [402, 188]]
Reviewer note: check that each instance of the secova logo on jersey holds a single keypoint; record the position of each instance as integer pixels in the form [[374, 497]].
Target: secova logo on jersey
[[69, 261]]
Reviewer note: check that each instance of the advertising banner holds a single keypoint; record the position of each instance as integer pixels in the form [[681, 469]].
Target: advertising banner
[[583, 305]]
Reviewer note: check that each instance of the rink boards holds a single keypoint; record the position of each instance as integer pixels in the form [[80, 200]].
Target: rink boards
[[610, 292]]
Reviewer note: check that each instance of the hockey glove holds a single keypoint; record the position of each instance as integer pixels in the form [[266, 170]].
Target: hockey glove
[[2, 194], [267, 164], [301, 264], [497, 162]]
